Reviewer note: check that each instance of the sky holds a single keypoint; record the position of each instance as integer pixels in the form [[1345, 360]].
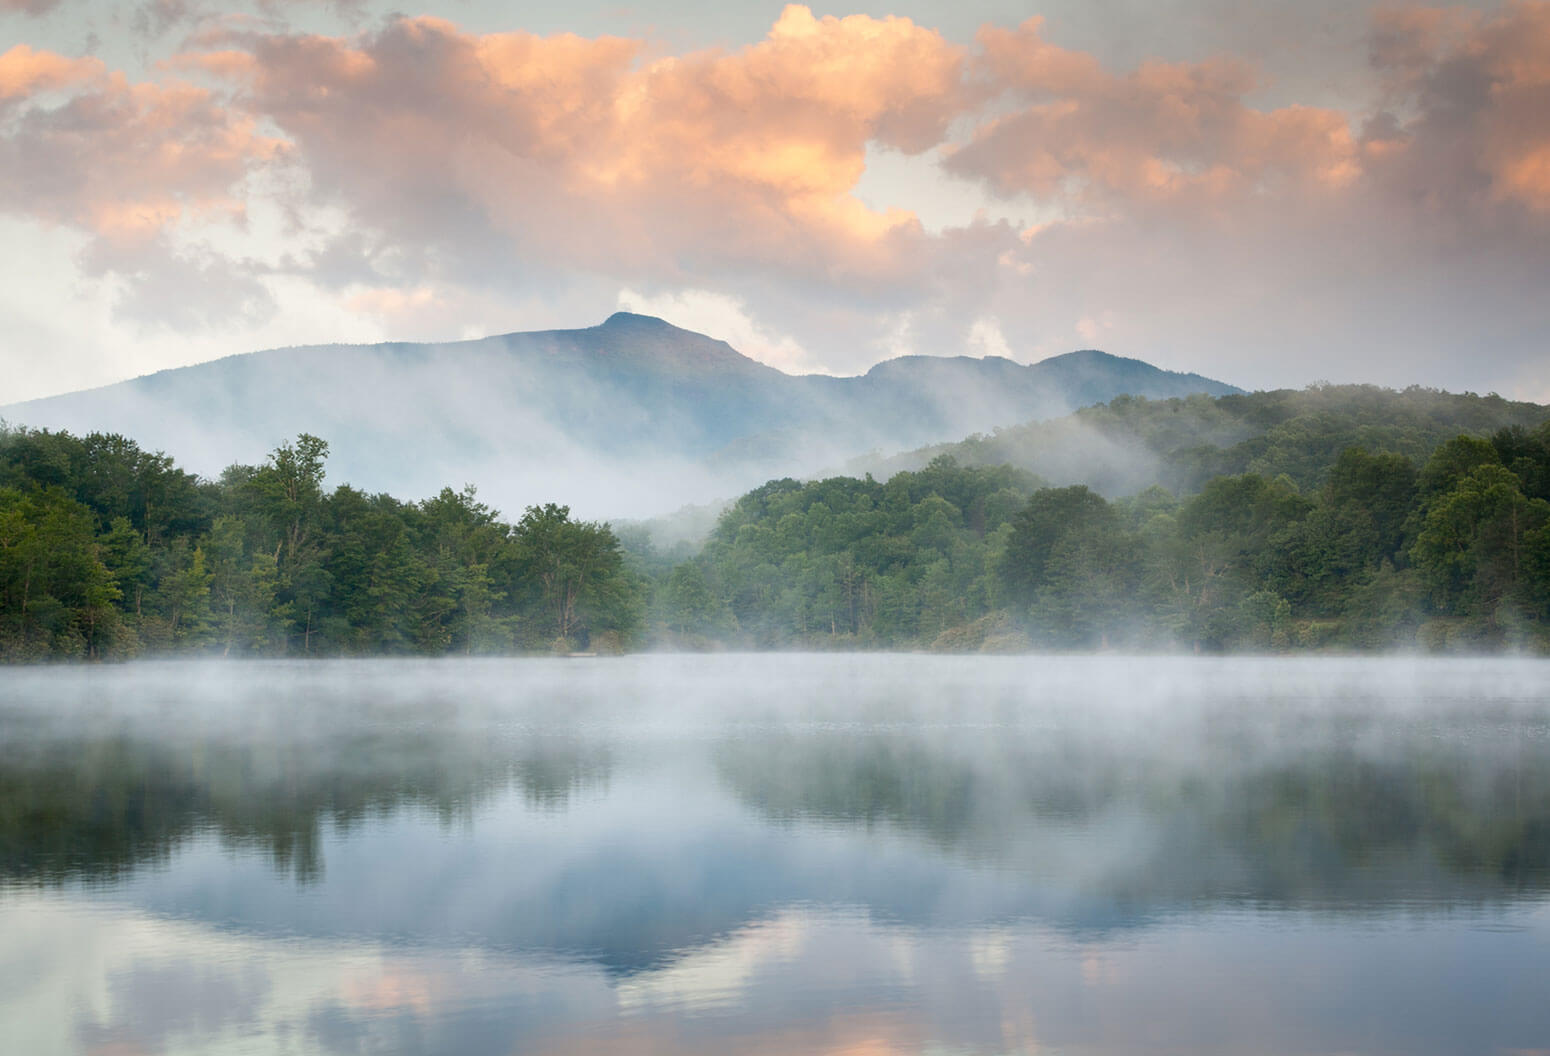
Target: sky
[[1269, 193]]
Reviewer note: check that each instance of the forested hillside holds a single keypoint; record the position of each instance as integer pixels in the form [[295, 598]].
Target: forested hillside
[[107, 550], [1452, 552], [1353, 519], [1132, 443]]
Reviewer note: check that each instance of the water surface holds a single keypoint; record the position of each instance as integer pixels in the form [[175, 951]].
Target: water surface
[[777, 854]]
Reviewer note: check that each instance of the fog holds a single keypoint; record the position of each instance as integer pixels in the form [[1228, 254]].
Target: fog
[[1102, 775], [633, 418], [767, 852]]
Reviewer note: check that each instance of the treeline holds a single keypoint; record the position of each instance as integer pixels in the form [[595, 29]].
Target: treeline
[[1451, 554], [107, 550], [110, 551]]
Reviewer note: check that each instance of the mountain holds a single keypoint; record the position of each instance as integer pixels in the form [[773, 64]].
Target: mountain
[[633, 416]]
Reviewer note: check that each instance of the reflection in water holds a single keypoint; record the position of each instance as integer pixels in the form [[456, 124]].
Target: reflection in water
[[826, 854], [99, 806], [1430, 809]]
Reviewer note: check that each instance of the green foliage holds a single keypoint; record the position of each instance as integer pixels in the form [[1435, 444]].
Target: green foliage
[[845, 562], [1377, 554], [108, 551], [1131, 443], [575, 578], [1477, 548]]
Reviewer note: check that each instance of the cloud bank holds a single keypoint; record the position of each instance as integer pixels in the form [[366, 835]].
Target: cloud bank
[[439, 182]]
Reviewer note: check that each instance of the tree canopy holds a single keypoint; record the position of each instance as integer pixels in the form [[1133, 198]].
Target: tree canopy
[[106, 550]]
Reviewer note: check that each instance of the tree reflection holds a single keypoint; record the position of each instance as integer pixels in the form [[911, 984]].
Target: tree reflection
[[96, 807], [1232, 816]]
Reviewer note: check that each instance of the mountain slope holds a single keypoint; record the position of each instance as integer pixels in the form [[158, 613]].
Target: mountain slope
[[1128, 444], [632, 416]]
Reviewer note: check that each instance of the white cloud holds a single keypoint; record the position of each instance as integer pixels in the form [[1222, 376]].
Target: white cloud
[[727, 319], [986, 339]]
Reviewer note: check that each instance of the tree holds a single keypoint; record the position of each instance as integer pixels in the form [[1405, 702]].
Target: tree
[[289, 491], [1050, 515], [578, 574], [1477, 541], [243, 588], [56, 595], [688, 603]]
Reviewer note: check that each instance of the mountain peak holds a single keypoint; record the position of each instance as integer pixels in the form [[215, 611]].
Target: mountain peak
[[635, 321], [1089, 355]]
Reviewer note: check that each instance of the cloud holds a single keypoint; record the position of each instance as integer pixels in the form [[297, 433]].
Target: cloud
[[725, 318], [437, 181], [986, 339], [131, 163], [24, 71], [29, 7], [1082, 135], [127, 160], [499, 151], [1398, 240], [162, 286], [1476, 88], [1463, 123]]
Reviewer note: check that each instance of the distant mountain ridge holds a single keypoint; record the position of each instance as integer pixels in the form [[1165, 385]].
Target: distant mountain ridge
[[633, 415]]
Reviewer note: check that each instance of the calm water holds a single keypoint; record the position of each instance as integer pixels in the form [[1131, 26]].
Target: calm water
[[861, 855]]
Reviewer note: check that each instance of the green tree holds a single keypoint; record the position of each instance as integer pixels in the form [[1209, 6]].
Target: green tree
[[289, 491], [577, 573], [1476, 541], [689, 605], [1050, 515]]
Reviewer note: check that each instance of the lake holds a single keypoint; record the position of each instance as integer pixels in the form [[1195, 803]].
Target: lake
[[858, 854]]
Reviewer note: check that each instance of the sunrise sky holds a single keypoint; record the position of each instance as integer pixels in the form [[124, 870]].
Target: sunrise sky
[[1269, 193]]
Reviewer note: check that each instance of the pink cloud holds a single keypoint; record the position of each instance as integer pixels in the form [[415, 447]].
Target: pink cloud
[[1081, 134], [1478, 87], [130, 163], [1474, 89], [24, 71], [482, 168], [125, 160], [588, 152]]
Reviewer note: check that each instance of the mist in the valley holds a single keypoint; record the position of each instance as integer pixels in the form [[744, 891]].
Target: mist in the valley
[[631, 419]]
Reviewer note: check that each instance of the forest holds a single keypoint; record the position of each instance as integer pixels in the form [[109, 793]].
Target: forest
[[1325, 530], [107, 550]]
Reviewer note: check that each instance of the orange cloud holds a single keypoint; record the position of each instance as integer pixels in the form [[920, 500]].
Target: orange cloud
[[1479, 86], [1161, 131], [127, 160], [1474, 89], [24, 71], [428, 165], [584, 152]]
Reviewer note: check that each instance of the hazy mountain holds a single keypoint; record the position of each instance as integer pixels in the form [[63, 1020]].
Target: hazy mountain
[[633, 416]]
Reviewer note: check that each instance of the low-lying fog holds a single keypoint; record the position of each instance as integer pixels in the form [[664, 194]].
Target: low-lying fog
[[778, 853]]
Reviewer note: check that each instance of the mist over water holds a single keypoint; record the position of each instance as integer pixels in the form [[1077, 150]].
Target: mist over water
[[849, 853]]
